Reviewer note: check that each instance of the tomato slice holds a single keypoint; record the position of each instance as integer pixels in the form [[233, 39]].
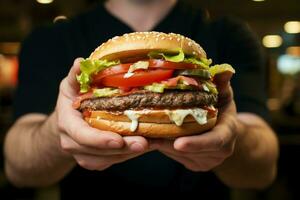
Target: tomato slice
[[153, 63], [118, 69], [140, 78]]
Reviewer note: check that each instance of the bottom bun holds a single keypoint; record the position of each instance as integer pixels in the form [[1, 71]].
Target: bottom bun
[[152, 130]]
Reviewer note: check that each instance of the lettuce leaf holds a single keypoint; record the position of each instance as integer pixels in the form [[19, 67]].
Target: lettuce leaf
[[88, 68], [180, 57]]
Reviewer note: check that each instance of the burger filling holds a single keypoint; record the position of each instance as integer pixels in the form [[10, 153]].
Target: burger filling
[[159, 80]]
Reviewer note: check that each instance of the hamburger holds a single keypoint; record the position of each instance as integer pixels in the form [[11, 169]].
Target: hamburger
[[151, 84]]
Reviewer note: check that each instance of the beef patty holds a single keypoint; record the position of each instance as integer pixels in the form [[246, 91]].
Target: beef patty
[[146, 99]]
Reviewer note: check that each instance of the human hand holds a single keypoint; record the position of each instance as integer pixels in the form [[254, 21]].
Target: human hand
[[208, 150], [91, 148]]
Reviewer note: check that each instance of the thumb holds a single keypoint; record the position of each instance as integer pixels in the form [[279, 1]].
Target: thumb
[[222, 82], [69, 86], [75, 69]]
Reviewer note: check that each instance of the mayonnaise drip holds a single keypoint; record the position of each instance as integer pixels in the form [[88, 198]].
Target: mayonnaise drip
[[176, 116], [133, 116]]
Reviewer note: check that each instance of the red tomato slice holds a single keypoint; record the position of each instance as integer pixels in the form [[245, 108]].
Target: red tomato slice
[[153, 63], [140, 78], [118, 69]]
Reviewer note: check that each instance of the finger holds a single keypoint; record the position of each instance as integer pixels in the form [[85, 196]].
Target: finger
[[69, 86], [132, 145], [136, 143], [222, 80], [75, 69], [72, 123], [101, 162], [70, 146], [216, 139]]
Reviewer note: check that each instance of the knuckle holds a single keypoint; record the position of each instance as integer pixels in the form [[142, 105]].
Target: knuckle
[[90, 165], [103, 167], [62, 84], [60, 125], [219, 142], [76, 135], [192, 167], [204, 167], [66, 146], [83, 163], [227, 151]]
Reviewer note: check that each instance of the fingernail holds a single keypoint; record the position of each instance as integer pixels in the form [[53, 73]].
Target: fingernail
[[136, 147], [113, 144]]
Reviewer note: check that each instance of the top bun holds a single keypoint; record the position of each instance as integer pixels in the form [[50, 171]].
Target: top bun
[[141, 43]]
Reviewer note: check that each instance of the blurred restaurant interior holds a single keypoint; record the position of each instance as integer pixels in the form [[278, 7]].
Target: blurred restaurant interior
[[277, 25]]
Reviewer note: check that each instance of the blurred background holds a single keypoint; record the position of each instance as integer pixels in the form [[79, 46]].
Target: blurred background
[[277, 25]]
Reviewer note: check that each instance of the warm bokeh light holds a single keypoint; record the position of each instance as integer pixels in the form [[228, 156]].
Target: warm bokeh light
[[44, 1], [292, 27], [258, 0], [293, 51], [11, 48], [59, 17], [272, 41]]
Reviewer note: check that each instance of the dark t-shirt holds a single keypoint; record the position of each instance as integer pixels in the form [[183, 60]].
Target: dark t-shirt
[[48, 53]]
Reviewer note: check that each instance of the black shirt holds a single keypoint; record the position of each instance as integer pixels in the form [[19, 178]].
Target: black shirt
[[48, 53]]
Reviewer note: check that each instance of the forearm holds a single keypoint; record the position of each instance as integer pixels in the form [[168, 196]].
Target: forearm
[[253, 163], [33, 156]]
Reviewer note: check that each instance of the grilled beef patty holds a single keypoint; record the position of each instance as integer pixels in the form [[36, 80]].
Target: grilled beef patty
[[146, 99]]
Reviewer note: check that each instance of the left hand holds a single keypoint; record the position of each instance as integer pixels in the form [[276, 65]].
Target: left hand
[[206, 151]]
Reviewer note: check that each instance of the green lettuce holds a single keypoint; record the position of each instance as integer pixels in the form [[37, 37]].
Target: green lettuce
[[180, 57], [88, 68]]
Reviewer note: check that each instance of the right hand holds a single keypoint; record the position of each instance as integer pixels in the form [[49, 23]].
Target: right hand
[[92, 149]]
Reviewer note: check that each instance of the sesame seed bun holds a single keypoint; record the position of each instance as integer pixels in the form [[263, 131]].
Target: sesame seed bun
[[140, 43], [152, 124]]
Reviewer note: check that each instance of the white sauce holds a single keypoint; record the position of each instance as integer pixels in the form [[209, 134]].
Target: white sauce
[[128, 74], [177, 116], [205, 88], [133, 116]]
